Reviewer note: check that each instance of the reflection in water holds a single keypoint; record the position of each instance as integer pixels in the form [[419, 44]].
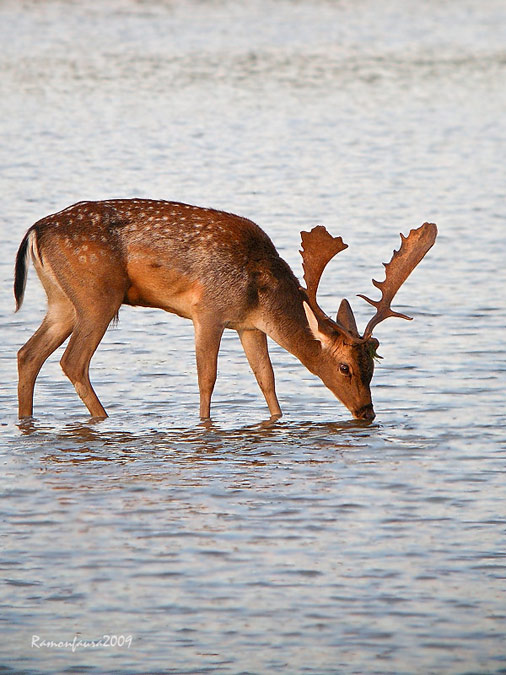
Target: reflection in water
[[83, 442]]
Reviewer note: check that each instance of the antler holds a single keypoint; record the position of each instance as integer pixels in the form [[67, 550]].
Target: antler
[[403, 262], [318, 248]]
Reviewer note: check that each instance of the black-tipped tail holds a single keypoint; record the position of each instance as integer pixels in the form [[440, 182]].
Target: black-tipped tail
[[21, 270]]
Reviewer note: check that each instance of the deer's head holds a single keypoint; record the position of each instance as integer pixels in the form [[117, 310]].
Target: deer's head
[[345, 360]]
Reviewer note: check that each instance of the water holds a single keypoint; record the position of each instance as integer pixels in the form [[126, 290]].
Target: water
[[317, 544]]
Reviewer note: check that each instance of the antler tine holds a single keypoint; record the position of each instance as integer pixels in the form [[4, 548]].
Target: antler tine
[[413, 249], [318, 248]]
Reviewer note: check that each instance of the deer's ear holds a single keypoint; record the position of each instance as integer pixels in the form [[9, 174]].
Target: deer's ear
[[346, 318], [314, 326]]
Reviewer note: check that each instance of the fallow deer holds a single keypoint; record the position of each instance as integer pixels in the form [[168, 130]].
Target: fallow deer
[[215, 268]]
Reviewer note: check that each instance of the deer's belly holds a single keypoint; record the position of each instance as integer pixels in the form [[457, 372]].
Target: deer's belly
[[153, 285]]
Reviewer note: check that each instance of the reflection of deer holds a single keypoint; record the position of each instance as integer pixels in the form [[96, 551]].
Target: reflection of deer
[[217, 269]]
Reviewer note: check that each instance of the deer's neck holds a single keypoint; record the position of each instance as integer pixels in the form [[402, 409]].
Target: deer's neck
[[301, 344], [283, 319]]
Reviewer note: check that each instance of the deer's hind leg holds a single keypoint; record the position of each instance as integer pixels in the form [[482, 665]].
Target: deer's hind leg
[[92, 320], [53, 331]]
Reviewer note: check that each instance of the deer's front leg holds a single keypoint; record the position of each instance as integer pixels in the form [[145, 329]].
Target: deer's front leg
[[254, 343], [207, 344]]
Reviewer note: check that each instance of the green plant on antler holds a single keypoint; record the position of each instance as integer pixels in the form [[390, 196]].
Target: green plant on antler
[[371, 347]]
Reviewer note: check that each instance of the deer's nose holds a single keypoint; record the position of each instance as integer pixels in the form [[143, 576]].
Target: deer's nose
[[365, 413]]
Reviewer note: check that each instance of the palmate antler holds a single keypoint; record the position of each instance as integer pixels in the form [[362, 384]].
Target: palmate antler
[[403, 262], [318, 248]]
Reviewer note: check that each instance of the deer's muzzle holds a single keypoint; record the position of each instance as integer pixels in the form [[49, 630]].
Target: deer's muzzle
[[365, 413]]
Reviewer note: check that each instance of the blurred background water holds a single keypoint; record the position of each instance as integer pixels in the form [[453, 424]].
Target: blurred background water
[[316, 545]]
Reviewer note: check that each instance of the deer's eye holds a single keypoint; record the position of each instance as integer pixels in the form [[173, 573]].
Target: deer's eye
[[345, 369]]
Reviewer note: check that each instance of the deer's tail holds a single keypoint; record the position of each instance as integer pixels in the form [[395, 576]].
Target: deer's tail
[[21, 271]]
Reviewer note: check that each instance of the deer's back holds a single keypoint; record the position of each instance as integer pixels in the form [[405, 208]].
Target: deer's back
[[175, 256]]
